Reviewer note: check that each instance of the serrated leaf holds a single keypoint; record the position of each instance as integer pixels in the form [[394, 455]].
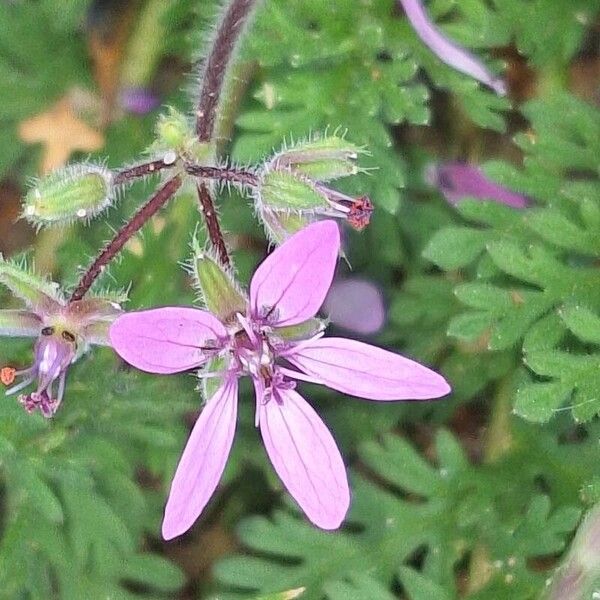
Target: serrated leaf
[[455, 247]]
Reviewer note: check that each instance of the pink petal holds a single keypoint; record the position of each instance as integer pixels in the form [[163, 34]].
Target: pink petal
[[292, 281], [203, 461], [306, 458], [165, 340], [457, 181], [447, 50], [366, 371]]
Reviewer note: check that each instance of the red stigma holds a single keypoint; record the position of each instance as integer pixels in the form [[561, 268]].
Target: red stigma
[[7, 375], [360, 213]]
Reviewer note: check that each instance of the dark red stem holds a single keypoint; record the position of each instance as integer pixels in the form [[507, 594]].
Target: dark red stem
[[160, 198], [216, 64], [246, 178], [212, 224], [138, 171], [215, 70]]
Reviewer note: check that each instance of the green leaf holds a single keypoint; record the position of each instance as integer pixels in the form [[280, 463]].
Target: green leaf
[[455, 247], [421, 588], [584, 323], [153, 571]]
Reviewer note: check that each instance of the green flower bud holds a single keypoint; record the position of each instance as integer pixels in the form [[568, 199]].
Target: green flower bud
[[284, 190], [218, 289], [176, 137], [172, 130], [320, 159], [279, 226], [77, 192]]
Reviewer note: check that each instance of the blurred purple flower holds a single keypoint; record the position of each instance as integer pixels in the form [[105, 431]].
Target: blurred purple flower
[[448, 51], [275, 343], [356, 305], [138, 100], [457, 181]]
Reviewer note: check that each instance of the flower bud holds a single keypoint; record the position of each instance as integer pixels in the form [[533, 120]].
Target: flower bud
[[172, 130], [279, 226], [176, 137], [66, 195], [217, 287], [285, 190], [320, 159]]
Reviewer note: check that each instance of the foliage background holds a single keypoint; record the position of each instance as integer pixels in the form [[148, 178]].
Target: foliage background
[[475, 496]]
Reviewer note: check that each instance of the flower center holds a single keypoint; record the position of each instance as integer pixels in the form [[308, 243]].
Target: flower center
[[253, 351]]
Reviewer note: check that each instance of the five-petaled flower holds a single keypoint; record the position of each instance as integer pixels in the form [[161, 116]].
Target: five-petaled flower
[[64, 332], [275, 340]]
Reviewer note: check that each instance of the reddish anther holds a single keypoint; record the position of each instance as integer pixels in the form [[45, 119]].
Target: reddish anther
[[360, 213], [7, 375]]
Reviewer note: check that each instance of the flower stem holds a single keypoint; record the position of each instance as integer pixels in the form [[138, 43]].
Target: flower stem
[[160, 198], [223, 174], [215, 71], [139, 171], [212, 224], [217, 63], [497, 443]]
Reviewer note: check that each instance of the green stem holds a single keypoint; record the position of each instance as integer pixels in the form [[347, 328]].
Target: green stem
[[497, 443], [145, 47]]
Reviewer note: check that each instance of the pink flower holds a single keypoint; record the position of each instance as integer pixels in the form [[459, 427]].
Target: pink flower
[[64, 331], [276, 342], [447, 50], [457, 181]]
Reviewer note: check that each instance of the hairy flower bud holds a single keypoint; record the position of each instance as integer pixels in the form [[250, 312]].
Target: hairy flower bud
[[176, 138], [291, 190], [321, 159], [172, 129], [279, 226], [285, 190], [77, 192], [217, 287]]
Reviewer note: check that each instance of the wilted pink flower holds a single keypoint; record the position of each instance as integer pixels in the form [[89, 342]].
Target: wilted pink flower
[[448, 51], [64, 332], [457, 181], [276, 342]]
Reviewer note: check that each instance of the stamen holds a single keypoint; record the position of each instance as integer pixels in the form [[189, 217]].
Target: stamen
[[300, 376], [247, 328], [29, 378], [360, 213]]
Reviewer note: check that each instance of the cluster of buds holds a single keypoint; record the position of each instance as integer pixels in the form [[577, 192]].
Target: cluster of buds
[[292, 188], [63, 332]]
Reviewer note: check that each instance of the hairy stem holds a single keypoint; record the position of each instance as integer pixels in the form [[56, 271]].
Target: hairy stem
[[216, 65], [139, 171], [223, 174], [212, 224], [160, 198], [215, 71]]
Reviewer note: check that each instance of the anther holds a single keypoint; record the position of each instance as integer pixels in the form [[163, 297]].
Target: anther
[[68, 336], [7, 375]]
